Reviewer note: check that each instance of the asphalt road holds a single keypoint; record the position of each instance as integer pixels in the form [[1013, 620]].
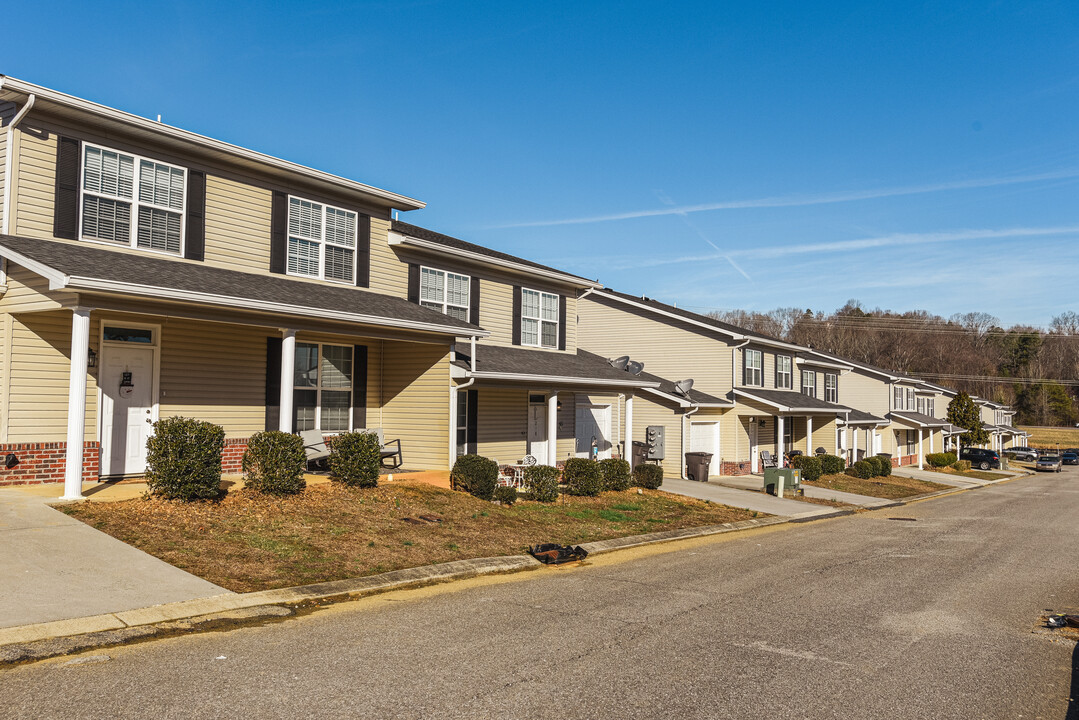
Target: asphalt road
[[924, 611]]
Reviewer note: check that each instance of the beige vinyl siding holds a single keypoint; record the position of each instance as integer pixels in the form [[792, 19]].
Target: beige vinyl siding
[[28, 292], [864, 392], [34, 183], [416, 402], [502, 423], [389, 273], [237, 225], [667, 347], [649, 412]]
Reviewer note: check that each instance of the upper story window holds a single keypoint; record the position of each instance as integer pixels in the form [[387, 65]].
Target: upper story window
[[322, 388], [445, 291], [809, 383], [831, 387], [931, 407], [783, 372], [754, 368], [897, 398], [539, 318], [910, 399], [921, 405], [131, 200], [321, 241]]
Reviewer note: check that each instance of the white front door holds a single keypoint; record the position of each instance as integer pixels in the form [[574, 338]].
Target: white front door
[[127, 408], [753, 459], [877, 443], [537, 432], [593, 421], [704, 437]]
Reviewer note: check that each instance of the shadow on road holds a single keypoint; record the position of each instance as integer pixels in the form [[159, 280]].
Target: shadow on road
[[1073, 703]]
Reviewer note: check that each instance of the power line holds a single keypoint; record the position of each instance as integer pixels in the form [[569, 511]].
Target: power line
[[997, 379]]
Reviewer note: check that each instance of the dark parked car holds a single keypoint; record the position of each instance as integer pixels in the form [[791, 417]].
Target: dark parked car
[[1070, 458], [1047, 462], [1022, 453], [981, 458]]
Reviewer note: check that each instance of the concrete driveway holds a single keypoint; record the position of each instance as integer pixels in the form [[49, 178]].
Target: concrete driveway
[[754, 483], [53, 567], [735, 497]]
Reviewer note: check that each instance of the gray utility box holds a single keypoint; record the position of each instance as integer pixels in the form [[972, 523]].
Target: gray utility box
[[655, 440], [792, 480]]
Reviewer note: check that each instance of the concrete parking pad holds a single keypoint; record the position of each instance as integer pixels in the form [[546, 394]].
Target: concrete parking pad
[[754, 483], [54, 567], [735, 497]]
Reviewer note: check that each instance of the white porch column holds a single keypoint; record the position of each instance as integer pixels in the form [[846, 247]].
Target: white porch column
[[552, 428], [629, 429], [854, 451], [809, 434], [931, 451], [921, 455], [779, 440], [288, 370], [76, 403]]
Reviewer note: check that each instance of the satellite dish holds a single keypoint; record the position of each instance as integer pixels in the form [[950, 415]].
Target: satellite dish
[[634, 367], [619, 362], [682, 387]]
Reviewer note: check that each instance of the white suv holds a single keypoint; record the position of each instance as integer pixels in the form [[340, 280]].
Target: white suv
[[1022, 453]]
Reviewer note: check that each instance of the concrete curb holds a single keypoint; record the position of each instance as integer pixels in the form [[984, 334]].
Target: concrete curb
[[45, 640]]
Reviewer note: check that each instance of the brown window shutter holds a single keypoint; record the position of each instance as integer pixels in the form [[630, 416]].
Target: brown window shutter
[[359, 387], [473, 417], [474, 300], [66, 212], [413, 283], [278, 232], [273, 383], [561, 322], [195, 240], [516, 314], [745, 369], [363, 251]]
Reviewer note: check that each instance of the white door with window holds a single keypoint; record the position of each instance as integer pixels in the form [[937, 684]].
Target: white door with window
[[537, 432], [754, 461], [127, 383], [593, 421], [704, 437]]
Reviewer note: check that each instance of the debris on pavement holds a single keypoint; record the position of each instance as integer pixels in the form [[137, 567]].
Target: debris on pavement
[[555, 554]]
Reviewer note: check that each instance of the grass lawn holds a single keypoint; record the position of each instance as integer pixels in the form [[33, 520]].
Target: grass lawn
[[1065, 437], [889, 487], [249, 542], [976, 474]]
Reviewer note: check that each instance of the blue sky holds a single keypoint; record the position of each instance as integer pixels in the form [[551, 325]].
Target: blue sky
[[716, 155]]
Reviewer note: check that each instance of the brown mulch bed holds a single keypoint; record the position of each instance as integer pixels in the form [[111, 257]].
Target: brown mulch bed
[[893, 486], [248, 541]]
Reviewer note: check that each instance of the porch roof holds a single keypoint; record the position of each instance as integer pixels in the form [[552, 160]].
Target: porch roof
[[82, 267], [497, 362], [790, 401], [860, 417], [950, 429], [918, 420]]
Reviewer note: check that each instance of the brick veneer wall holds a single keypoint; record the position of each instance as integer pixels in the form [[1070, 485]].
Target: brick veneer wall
[[232, 455], [46, 462], [736, 468]]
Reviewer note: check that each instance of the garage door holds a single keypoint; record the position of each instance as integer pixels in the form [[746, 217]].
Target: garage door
[[704, 437]]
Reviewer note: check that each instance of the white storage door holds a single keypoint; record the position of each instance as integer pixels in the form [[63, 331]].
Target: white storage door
[[704, 437]]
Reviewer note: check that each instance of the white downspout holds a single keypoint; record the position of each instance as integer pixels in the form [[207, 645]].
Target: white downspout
[[682, 459], [4, 225]]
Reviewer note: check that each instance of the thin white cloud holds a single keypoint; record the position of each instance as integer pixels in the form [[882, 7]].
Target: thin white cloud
[[802, 200]]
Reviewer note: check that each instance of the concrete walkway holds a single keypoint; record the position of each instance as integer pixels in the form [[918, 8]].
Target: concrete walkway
[[735, 497], [754, 482], [54, 567], [953, 480]]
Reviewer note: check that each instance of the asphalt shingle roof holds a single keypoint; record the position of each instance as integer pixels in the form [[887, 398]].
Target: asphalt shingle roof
[[526, 361], [688, 315], [791, 399], [860, 417], [99, 263], [917, 418]]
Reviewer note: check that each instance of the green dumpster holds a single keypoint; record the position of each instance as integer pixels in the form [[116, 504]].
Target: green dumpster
[[792, 480]]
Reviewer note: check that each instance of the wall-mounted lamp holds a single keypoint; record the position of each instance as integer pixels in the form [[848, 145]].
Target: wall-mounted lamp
[[559, 405], [91, 358], [764, 422]]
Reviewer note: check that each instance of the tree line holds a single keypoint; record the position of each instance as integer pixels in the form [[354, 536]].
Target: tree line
[[1035, 370]]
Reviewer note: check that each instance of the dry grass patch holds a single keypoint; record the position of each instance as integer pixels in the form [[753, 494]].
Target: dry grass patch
[[1052, 437], [975, 474], [249, 542], [891, 487]]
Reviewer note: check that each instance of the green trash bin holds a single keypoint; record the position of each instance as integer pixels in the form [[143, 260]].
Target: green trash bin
[[792, 480]]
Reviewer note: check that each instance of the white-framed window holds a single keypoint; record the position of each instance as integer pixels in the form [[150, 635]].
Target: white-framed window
[[321, 241], [831, 387], [897, 398], [921, 405], [783, 372], [130, 200], [462, 423], [809, 383], [754, 368], [910, 399], [322, 388], [931, 407], [539, 318], [445, 291]]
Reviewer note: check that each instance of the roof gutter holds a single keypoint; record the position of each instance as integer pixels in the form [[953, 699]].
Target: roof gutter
[[7, 155], [562, 380]]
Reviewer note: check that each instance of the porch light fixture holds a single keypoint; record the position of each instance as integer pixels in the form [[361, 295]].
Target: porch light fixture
[[763, 422], [91, 358], [559, 405]]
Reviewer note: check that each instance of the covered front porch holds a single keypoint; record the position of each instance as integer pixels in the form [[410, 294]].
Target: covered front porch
[[922, 435], [778, 423], [860, 435]]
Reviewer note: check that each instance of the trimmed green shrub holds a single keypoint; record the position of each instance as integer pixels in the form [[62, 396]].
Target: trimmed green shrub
[[541, 482], [475, 475], [183, 459], [616, 475], [861, 469], [832, 464], [274, 463], [648, 476], [582, 477], [876, 463], [940, 459], [809, 465], [961, 465], [885, 466], [505, 494], [355, 459]]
